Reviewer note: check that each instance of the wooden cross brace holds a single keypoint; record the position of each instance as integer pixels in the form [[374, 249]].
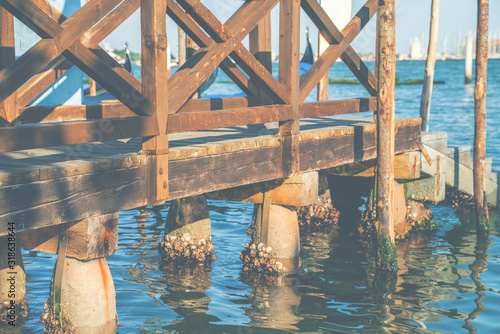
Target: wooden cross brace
[[64, 38]]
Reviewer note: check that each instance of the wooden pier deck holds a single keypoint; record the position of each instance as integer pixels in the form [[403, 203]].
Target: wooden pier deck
[[43, 187]]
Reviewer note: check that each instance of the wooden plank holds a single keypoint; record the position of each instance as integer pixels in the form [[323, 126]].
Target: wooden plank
[[199, 67], [52, 202], [89, 239], [47, 135], [200, 105], [196, 121], [349, 144], [289, 77], [210, 173], [9, 108], [310, 79], [337, 107], [154, 80], [189, 25], [30, 63]]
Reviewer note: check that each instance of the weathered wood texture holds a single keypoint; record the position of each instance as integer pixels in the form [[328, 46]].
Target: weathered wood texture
[[89, 239], [386, 134], [289, 77], [425, 103], [9, 108], [480, 189], [154, 79]]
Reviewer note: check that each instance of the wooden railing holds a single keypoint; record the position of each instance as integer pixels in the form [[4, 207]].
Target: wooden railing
[[157, 105]]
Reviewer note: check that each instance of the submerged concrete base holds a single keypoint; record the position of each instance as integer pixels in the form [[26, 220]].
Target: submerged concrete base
[[88, 302], [278, 238], [187, 231], [13, 281]]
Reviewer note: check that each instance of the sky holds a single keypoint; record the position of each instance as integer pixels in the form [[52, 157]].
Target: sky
[[457, 18]]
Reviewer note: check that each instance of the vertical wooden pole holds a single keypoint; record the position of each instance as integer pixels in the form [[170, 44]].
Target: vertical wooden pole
[[154, 87], [9, 107], [480, 117], [387, 257], [468, 59], [260, 47], [181, 58], [92, 87], [191, 48], [289, 77], [425, 103]]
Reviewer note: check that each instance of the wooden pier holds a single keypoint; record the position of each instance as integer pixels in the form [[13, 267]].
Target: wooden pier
[[65, 166]]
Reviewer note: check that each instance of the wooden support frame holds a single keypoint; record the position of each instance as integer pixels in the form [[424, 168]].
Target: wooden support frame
[[7, 57], [155, 88], [289, 76]]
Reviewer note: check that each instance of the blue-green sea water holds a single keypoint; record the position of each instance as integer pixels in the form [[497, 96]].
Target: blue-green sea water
[[447, 282]]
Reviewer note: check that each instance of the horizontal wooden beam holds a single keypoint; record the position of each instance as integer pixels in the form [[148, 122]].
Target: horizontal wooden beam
[[88, 239], [406, 167], [70, 133], [195, 121], [299, 190], [337, 107]]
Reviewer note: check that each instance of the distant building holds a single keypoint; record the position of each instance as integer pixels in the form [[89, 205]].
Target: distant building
[[415, 49]]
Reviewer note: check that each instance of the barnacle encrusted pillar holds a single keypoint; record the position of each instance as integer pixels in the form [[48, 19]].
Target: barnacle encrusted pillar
[[13, 280], [82, 294], [275, 240], [187, 231]]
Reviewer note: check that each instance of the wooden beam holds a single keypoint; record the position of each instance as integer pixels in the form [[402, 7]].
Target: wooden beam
[[50, 73], [406, 167], [7, 57], [310, 79], [196, 70], [261, 48], [196, 121], [387, 256], [189, 25], [30, 63], [337, 107], [299, 190], [88, 239], [155, 87], [257, 72], [289, 77], [70, 133]]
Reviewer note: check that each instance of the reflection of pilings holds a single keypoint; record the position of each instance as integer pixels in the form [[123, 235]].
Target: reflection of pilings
[[479, 265], [384, 285], [275, 306], [186, 287]]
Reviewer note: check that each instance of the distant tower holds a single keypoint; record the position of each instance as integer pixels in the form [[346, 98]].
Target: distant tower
[[415, 49]]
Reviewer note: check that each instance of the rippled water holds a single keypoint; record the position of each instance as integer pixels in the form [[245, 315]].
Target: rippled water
[[448, 282]]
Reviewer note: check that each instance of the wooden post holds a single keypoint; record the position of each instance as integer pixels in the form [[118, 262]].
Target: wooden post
[[425, 103], [468, 59], [9, 108], [387, 257], [480, 117], [154, 87], [191, 48], [289, 77], [92, 88], [260, 47], [181, 58]]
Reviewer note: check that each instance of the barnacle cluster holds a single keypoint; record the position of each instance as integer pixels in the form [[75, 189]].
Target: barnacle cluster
[[21, 310], [52, 325], [463, 203], [318, 216], [183, 248], [259, 258]]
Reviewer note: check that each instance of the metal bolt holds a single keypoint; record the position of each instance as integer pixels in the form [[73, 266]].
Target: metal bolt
[[165, 185], [161, 171]]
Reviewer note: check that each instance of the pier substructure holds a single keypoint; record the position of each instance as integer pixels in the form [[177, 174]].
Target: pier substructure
[[82, 294], [187, 231]]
